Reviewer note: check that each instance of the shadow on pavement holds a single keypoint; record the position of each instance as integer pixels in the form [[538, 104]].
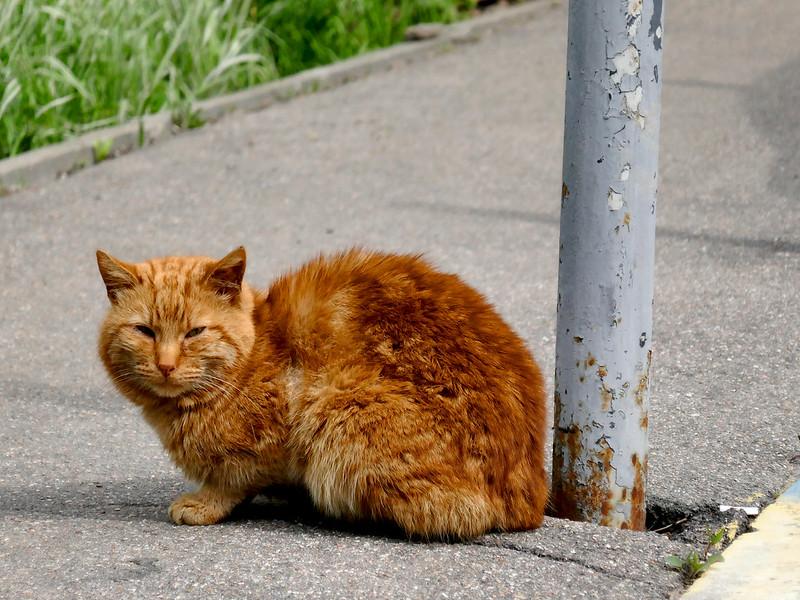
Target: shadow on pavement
[[767, 102], [774, 245], [148, 500]]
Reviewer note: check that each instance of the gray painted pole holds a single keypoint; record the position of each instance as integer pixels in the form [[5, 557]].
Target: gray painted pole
[[605, 282]]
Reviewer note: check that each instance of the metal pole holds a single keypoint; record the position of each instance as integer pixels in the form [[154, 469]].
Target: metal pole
[[605, 282]]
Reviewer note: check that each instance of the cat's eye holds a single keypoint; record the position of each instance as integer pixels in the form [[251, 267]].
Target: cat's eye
[[145, 330], [193, 332]]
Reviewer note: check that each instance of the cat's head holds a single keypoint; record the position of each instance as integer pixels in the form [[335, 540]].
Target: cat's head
[[177, 326]]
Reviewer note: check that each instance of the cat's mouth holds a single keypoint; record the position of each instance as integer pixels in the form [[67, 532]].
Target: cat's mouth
[[167, 388]]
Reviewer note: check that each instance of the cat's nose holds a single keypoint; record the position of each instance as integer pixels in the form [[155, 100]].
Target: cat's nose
[[166, 357], [166, 368]]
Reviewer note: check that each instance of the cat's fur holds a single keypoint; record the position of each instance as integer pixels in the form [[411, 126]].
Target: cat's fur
[[389, 390]]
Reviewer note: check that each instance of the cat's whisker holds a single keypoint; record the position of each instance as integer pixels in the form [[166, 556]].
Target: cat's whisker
[[223, 382], [220, 385], [228, 387], [123, 377], [242, 396]]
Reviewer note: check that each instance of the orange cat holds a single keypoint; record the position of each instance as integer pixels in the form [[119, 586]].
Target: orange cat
[[389, 390]]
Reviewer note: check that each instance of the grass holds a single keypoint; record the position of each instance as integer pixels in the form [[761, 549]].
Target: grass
[[71, 66], [693, 564], [316, 32]]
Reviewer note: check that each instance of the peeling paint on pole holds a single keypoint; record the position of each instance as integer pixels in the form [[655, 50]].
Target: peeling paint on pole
[[605, 286]]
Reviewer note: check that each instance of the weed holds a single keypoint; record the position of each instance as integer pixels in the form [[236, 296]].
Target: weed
[[694, 564], [185, 116], [102, 148]]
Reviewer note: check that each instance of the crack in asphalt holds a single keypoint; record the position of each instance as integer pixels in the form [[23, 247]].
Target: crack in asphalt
[[505, 545]]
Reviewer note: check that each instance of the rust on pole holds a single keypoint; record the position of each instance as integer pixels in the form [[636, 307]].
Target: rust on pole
[[606, 257]]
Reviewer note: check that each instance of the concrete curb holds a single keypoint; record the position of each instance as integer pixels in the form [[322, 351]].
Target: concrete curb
[[761, 564], [59, 160]]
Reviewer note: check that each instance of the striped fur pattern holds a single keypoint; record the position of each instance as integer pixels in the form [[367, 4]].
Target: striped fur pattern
[[389, 390]]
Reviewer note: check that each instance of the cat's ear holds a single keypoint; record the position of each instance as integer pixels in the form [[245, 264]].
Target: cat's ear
[[116, 274], [225, 276]]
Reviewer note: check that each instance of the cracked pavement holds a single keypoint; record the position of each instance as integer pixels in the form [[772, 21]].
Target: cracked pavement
[[458, 156]]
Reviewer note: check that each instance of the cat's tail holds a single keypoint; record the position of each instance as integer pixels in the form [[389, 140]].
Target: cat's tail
[[427, 511]]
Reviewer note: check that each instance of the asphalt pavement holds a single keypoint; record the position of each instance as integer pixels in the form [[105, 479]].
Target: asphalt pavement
[[459, 157]]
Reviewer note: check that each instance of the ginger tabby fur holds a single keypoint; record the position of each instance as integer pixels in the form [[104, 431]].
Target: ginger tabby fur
[[389, 390]]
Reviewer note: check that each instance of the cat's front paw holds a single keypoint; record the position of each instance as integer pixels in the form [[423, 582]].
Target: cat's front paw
[[193, 509]]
